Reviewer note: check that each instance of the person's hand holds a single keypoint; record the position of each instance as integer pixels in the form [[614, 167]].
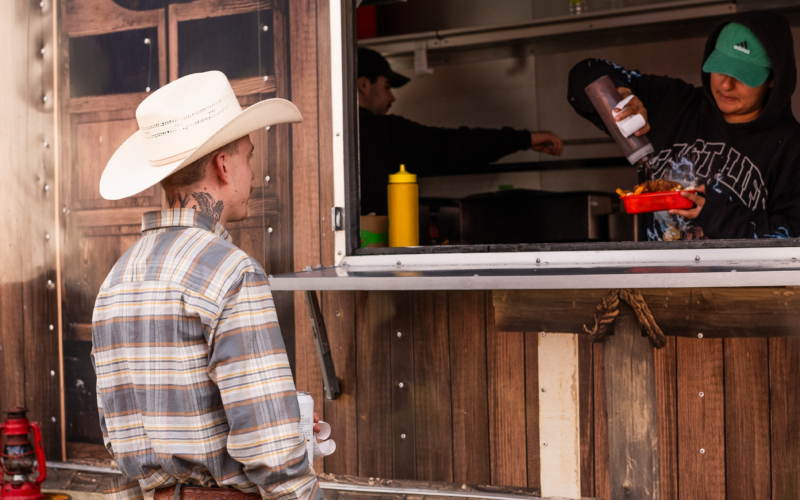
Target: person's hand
[[634, 107], [697, 199], [547, 142], [316, 424]]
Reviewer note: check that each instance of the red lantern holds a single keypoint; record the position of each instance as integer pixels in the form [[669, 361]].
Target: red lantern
[[18, 457]]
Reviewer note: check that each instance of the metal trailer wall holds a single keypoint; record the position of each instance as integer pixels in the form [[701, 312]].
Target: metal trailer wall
[[29, 330]]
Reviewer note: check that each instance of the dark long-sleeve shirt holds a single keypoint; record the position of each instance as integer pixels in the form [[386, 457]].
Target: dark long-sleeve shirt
[[387, 141]]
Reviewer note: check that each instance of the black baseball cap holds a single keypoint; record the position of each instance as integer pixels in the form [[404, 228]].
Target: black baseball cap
[[372, 64]]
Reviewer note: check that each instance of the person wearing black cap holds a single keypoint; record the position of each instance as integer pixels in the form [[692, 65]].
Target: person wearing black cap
[[737, 130], [386, 141]]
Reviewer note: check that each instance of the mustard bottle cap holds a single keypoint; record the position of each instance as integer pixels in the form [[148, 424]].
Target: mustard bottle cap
[[403, 177]]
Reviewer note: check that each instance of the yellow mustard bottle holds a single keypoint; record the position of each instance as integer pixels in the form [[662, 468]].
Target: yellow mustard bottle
[[403, 209]]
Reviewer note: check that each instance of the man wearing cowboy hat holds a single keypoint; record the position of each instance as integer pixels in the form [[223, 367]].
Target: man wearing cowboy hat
[[193, 381]]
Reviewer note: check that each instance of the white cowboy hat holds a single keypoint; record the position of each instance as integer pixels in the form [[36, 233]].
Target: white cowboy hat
[[182, 122]]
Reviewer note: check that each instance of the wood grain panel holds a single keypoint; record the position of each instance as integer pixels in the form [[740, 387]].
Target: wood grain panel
[[253, 85], [784, 372], [467, 318], [602, 479], [201, 9], [505, 354], [667, 404], [701, 420], [374, 312], [106, 103], [631, 403], [532, 409], [95, 17], [305, 208], [434, 426], [97, 142], [747, 440], [339, 309], [108, 217], [403, 388], [325, 127], [586, 406]]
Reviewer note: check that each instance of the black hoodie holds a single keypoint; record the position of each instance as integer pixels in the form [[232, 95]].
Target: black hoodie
[[751, 170]]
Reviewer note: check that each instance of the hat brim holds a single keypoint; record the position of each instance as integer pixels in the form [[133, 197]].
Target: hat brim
[[129, 171], [396, 79], [751, 75]]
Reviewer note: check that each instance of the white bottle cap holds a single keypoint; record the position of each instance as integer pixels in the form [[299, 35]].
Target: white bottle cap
[[631, 124]]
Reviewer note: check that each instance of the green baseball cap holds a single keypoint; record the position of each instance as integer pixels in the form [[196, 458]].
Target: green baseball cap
[[739, 54]]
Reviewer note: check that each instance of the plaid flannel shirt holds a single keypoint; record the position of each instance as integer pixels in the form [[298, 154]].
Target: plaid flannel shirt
[[193, 381]]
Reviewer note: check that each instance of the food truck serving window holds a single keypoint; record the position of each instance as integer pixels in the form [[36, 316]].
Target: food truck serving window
[[455, 136]]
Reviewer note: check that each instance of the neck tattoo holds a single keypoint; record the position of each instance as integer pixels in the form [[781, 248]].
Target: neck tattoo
[[205, 203]]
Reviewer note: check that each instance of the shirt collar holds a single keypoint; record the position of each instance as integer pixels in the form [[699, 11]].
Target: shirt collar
[[182, 217]]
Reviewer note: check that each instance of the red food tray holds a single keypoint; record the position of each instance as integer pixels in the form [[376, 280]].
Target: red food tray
[[655, 202]]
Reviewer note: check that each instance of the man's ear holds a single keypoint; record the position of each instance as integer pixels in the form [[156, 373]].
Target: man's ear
[[363, 84], [218, 164]]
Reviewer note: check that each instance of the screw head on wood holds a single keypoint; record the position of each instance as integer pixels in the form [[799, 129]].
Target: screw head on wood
[[52, 328], [402, 436], [49, 282], [147, 41], [401, 385], [269, 229], [399, 334], [52, 373], [702, 394], [266, 179], [543, 334], [265, 28], [338, 313], [702, 451], [53, 419], [699, 335], [267, 128]]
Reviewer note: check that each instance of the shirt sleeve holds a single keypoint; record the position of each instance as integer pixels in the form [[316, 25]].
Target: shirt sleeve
[[452, 150], [660, 95], [248, 362]]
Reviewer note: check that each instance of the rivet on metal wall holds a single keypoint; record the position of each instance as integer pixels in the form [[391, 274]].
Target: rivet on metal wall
[[338, 134], [339, 252], [47, 236], [538, 261], [544, 389], [544, 443], [44, 98], [45, 144], [267, 128], [42, 51], [543, 334], [63, 210], [697, 258], [41, 5], [47, 187]]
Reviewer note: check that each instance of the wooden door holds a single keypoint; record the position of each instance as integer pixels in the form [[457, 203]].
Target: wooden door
[[246, 41]]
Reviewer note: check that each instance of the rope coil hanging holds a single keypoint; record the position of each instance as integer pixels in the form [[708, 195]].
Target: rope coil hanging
[[608, 310]]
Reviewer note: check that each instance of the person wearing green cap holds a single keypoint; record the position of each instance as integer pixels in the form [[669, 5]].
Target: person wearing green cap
[[735, 138]]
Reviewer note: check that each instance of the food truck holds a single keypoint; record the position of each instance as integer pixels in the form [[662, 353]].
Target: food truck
[[472, 361]]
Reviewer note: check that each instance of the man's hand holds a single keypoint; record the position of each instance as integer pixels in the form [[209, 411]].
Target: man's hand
[[697, 199], [316, 424], [634, 107], [547, 142]]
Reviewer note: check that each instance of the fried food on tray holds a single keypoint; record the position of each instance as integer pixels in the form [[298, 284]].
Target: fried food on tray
[[659, 186]]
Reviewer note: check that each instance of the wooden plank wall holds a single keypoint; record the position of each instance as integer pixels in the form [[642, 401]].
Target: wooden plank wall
[[468, 404], [29, 367]]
